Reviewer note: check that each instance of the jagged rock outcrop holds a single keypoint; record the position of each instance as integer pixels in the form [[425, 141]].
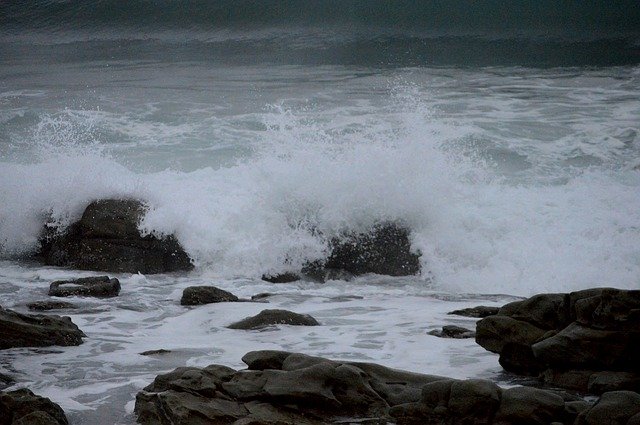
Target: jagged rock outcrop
[[22, 407], [198, 295], [290, 388], [99, 286], [583, 340], [274, 317], [107, 238], [37, 330]]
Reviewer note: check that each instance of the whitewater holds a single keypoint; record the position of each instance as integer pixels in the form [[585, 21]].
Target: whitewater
[[254, 145]]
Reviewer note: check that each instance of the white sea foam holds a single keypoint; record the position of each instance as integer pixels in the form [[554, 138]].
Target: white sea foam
[[326, 170]]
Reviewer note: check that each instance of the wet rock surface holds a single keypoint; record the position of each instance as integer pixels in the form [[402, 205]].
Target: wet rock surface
[[268, 318], [50, 305], [281, 277], [198, 295], [452, 331], [100, 287], [22, 407], [290, 388], [36, 330], [107, 238], [583, 340], [384, 249], [479, 311]]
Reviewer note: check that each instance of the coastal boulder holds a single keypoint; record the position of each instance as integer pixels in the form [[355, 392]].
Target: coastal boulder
[[36, 330], [274, 317], [106, 238], [22, 407], [585, 340], [385, 249], [198, 295], [100, 287]]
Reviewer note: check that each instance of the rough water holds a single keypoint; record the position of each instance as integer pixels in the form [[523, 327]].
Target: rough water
[[509, 146]]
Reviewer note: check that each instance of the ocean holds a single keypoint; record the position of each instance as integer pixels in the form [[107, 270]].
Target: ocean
[[504, 135]]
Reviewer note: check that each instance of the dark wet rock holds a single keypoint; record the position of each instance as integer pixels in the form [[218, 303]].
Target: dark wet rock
[[494, 332], [615, 408], [385, 249], [197, 295], [261, 296], [524, 405], [6, 381], [583, 340], [281, 388], [451, 331], [107, 238], [100, 287], [155, 352], [281, 277], [292, 388], [36, 330], [601, 382], [265, 359], [274, 317], [579, 347], [479, 311], [519, 358], [22, 407], [50, 305]]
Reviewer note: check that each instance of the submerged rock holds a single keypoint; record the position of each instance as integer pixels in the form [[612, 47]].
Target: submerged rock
[[155, 352], [50, 305], [198, 295], [37, 330], [281, 277], [451, 331], [107, 238], [479, 311], [583, 340], [274, 317], [291, 388], [100, 286], [22, 407]]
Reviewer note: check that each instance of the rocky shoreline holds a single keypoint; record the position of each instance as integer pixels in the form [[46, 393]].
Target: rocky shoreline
[[584, 342]]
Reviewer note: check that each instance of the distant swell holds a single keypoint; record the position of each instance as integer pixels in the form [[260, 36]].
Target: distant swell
[[350, 32]]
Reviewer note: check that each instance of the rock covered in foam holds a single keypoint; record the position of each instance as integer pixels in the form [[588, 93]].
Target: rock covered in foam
[[107, 238], [37, 330], [384, 249]]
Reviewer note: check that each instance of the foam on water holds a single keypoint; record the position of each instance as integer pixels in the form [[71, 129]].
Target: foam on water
[[482, 226]]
